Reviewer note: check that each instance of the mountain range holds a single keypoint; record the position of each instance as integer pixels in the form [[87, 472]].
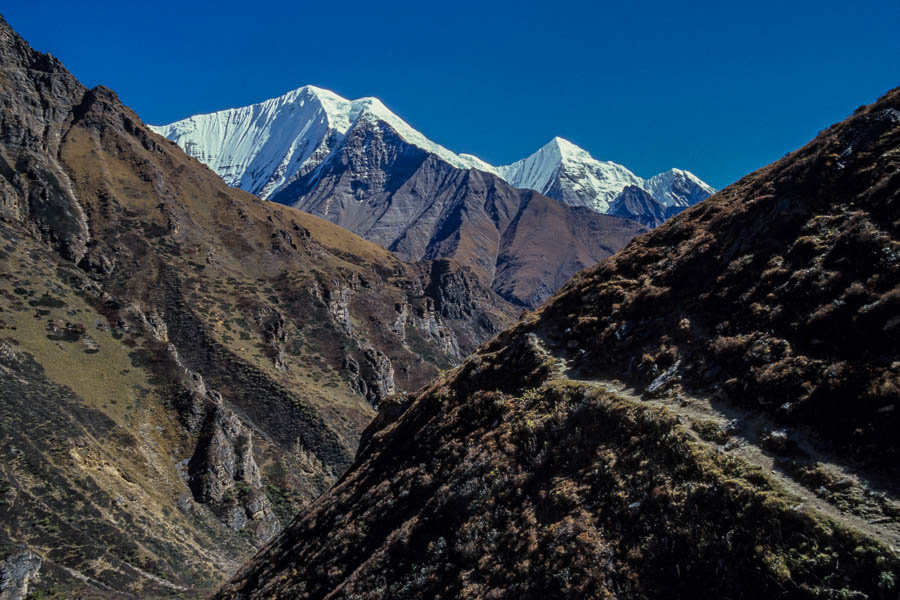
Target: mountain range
[[206, 393], [711, 412], [264, 147], [359, 165]]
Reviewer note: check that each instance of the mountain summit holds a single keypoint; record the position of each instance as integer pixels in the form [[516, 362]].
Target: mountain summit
[[263, 147]]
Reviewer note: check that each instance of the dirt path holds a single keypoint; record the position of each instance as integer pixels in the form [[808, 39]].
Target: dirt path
[[814, 479]]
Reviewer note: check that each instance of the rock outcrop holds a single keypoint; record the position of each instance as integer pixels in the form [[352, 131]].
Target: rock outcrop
[[224, 474], [17, 571], [473, 311]]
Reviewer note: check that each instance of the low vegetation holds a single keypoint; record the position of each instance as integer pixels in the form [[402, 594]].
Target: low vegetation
[[506, 478]]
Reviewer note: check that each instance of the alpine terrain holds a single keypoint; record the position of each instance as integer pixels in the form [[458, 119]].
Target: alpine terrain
[[711, 412], [182, 365], [357, 164], [264, 147]]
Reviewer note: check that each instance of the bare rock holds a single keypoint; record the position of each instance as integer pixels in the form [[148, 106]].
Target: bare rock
[[778, 441], [16, 573], [223, 474], [381, 385]]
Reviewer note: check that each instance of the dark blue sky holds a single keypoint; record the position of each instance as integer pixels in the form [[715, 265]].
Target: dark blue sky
[[719, 88]]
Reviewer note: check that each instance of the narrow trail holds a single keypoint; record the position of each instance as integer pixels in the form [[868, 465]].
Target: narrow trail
[[157, 580], [859, 500]]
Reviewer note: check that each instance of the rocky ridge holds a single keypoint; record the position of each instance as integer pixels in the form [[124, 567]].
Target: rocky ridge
[[518, 243]]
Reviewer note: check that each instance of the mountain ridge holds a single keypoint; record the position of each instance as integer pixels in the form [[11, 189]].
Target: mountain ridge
[[422, 208], [357, 164], [713, 408], [604, 179]]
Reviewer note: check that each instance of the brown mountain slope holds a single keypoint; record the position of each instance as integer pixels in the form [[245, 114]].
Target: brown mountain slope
[[181, 365], [527, 473], [781, 293], [519, 243]]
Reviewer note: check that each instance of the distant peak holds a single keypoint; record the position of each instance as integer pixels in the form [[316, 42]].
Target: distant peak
[[316, 90], [682, 174], [563, 143], [565, 150], [303, 93]]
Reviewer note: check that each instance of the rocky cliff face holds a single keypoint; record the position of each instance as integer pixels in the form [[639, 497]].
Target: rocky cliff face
[[636, 204], [712, 408], [16, 573], [520, 244], [475, 312], [181, 364]]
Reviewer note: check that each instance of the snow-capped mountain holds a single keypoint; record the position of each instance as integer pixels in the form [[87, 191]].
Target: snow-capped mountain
[[264, 147], [523, 229], [357, 164], [567, 173], [678, 188]]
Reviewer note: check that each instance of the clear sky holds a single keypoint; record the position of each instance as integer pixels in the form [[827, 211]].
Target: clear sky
[[719, 88]]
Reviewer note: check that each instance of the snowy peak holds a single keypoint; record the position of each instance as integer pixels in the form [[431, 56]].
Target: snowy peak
[[264, 147], [566, 150], [260, 147], [678, 188], [569, 174]]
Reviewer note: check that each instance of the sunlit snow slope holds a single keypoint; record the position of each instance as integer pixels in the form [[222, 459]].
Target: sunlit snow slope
[[264, 147]]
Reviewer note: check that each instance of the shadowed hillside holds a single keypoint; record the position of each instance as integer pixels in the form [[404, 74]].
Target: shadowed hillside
[[712, 412]]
